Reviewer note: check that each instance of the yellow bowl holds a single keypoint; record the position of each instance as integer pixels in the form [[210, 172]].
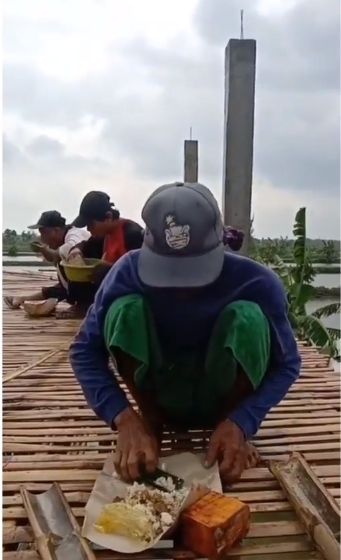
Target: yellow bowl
[[80, 273]]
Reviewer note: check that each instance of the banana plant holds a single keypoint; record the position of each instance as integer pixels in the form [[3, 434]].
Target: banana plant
[[297, 281]]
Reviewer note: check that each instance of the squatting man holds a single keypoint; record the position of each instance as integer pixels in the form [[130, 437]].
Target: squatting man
[[200, 336]]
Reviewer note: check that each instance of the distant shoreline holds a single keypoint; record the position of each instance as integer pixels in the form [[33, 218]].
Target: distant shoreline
[[8, 260]]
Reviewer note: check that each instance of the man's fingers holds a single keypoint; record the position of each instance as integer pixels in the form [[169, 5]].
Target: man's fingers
[[212, 453], [133, 465], [151, 459], [123, 467], [252, 456], [231, 473], [117, 461], [229, 453]]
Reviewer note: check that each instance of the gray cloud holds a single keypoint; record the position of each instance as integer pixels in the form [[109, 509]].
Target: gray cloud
[[11, 154], [299, 50], [149, 100], [43, 146]]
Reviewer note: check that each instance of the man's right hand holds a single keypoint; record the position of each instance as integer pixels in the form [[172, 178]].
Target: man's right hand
[[137, 447], [36, 246]]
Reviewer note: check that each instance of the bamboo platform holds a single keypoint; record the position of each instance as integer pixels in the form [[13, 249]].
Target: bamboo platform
[[49, 434]]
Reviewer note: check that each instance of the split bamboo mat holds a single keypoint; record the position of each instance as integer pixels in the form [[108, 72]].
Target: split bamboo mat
[[49, 434]]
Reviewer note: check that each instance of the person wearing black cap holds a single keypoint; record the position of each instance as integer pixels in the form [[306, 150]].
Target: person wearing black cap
[[57, 240], [103, 221], [201, 337]]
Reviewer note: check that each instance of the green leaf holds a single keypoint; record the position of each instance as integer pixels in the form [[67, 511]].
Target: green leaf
[[299, 232], [305, 293], [300, 256], [327, 310], [292, 319], [283, 271], [314, 331], [281, 266], [334, 333]]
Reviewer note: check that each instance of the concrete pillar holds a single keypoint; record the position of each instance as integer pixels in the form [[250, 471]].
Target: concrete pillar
[[240, 70], [191, 161]]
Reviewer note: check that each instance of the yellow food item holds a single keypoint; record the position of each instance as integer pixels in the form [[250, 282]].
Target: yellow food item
[[144, 514], [127, 520]]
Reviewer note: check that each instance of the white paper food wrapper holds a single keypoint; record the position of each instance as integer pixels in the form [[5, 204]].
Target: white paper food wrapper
[[187, 466]]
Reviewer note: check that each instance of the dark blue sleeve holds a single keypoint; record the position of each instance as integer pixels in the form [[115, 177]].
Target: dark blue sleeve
[[88, 355], [285, 362]]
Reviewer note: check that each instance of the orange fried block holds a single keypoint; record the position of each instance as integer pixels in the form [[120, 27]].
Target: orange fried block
[[214, 524]]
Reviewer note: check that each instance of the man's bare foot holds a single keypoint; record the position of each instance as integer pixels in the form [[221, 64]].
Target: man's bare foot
[[13, 302], [252, 456]]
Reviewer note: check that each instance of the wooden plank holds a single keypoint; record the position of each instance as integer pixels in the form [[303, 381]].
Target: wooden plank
[[23, 534], [22, 555], [17, 512]]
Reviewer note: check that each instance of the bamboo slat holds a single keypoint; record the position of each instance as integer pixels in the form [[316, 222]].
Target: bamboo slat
[[49, 434]]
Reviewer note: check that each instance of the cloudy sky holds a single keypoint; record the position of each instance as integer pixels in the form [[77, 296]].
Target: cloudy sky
[[102, 93]]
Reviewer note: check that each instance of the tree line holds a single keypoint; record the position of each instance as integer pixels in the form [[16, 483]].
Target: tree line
[[320, 250], [14, 243]]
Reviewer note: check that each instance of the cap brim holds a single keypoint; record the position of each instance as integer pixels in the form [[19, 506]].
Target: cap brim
[[79, 222], [35, 226], [160, 271]]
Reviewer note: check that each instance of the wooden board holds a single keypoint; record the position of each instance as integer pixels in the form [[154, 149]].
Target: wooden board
[[49, 434]]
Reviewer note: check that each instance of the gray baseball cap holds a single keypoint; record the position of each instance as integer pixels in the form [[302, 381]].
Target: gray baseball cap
[[183, 241]]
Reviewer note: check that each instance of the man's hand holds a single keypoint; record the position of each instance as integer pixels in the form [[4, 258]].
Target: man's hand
[[36, 246], [228, 447], [137, 447], [75, 257]]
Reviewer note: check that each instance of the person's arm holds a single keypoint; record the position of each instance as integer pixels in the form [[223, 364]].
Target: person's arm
[[227, 443], [133, 236], [89, 249], [51, 255], [73, 238], [284, 369], [89, 357], [136, 445]]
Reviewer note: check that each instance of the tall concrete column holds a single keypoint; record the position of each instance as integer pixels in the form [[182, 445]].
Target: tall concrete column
[[240, 70], [191, 161]]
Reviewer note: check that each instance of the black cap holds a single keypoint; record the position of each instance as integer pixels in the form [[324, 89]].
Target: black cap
[[49, 219], [94, 206]]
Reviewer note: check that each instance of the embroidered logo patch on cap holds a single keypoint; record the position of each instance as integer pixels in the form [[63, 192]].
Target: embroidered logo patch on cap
[[177, 236]]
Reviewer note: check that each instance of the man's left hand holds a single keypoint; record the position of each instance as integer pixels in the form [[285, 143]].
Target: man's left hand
[[228, 447]]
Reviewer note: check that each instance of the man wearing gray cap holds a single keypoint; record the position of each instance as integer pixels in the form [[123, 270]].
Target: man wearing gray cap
[[200, 337]]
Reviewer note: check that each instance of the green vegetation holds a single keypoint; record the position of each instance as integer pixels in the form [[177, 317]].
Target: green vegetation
[[320, 251], [14, 243], [297, 280], [329, 252], [12, 251], [323, 292]]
